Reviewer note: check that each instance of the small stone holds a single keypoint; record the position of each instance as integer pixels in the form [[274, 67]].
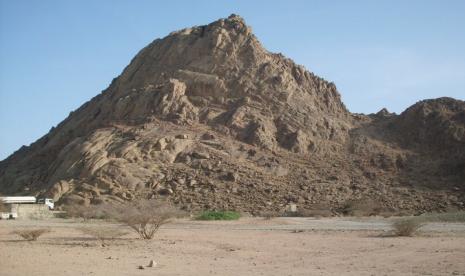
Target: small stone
[[231, 176], [207, 136], [292, 207], [140, 267], [206, 166], [181, 136], [152, 263], [200, 155], [161, 144], [165, 191], [251, 152]]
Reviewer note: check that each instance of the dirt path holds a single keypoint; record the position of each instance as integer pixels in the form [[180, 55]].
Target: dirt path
[[246, 247]]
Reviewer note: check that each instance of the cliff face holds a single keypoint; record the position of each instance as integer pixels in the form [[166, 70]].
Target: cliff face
[[209, 119]]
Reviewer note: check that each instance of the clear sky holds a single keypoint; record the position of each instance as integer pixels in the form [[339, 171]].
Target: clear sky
[[55, 55]]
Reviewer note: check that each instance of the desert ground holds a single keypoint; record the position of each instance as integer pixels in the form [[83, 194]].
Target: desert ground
[[250, 246]]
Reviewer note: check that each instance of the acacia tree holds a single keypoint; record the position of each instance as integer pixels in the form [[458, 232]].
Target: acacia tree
[[143, 216]]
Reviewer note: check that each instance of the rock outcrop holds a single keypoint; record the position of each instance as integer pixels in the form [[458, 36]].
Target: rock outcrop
[[209, 119]]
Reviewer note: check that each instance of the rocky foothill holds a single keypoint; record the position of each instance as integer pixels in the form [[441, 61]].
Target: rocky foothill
[[209, 119]]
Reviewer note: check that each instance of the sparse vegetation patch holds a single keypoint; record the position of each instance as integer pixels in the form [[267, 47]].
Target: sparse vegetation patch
[[406, 227], [458, 216], [30, 234], [86, 212], [103, 235]]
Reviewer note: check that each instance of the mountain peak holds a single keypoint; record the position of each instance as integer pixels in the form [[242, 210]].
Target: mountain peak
[[210, 119], [233, 23]]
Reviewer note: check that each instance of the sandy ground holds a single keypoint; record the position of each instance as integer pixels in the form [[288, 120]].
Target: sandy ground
[[251, 246]]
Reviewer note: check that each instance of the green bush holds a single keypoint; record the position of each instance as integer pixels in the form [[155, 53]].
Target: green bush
[[219, 215]]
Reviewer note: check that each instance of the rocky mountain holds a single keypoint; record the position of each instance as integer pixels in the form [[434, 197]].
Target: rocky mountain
[[209, 119]]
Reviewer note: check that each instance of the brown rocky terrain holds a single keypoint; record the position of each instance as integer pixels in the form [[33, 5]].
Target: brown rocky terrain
[[209, 119]]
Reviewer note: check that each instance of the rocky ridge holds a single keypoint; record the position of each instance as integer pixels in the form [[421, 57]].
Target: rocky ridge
[[209, 119]]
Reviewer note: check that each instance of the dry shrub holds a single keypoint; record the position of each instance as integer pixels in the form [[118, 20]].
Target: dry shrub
[[86, 212], [102, 234], [406, 227], [451, 216], [362, 207], [3, 207], [268, 215], [318, 210], [143, 216], [31, 234], [309, 213], [388, 214]]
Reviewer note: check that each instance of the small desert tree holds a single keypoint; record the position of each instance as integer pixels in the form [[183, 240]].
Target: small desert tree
[[143, 216]]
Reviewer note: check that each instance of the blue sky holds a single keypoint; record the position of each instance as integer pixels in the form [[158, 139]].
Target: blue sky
[[55, 55]]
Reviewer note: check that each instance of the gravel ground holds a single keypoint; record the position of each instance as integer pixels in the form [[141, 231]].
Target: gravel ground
[[250, 246]]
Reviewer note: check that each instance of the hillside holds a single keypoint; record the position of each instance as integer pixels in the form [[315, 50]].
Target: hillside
[[209, 119]]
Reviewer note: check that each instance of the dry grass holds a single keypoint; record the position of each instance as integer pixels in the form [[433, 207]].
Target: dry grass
[[406, 227], [102, 234], [31, 234]]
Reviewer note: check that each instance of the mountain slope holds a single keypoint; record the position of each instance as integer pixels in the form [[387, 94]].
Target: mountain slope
[[207, 118]]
